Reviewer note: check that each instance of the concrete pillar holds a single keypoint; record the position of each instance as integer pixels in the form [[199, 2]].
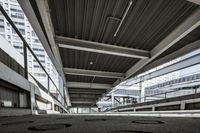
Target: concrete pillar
[[142, 92], [52, 106], [32, 96], [182, 106], [153, 108], [21, 100], [113, 99]]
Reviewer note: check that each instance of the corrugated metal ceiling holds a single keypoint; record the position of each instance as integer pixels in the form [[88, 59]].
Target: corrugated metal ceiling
[[101, 62], [89, 79], [146, 24], [191, 37]]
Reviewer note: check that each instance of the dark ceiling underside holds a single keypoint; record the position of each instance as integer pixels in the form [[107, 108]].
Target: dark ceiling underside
[[187, 40], [89, 79], [101, 62], [146, 24], [84, 95]]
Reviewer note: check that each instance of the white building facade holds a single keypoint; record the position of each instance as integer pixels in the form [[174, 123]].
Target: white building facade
[[18, 17]]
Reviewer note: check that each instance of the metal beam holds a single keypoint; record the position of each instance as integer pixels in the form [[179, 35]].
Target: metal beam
[[71, 43], [195, 1], [30, 13], [191, 23], [83, 99], [84, 95], [84, 72], [191, 61], [85, 92], [46, 42], [83, 102], [186, 49], [88, 85]]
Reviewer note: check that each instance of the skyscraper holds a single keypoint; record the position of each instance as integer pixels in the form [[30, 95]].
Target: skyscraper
[[15, 12]]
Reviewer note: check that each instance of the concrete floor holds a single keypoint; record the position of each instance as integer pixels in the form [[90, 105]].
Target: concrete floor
[[98, 124]]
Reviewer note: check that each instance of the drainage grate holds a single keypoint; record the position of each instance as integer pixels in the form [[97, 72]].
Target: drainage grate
[[128, 131], [64, 118], [95, 119], [48, 127], [147, 122], [16, 123]]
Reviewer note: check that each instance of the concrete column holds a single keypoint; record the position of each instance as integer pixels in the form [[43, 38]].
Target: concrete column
[[153, 108], [32, 96], [142, 92], [52, 106], [113, 99], [22, 99], [182, 106]]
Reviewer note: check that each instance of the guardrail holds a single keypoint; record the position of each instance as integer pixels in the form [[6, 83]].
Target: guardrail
[[27, 47], [176, 81]]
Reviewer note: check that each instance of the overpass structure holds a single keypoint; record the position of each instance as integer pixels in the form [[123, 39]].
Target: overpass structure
[[96, 45], [101, 43]]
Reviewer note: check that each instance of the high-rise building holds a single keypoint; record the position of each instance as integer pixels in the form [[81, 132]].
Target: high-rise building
[[15, 12]]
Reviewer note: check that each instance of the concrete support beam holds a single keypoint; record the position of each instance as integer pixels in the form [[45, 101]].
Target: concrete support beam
[[32, 99], [182, 106], [28, 10], [83, 102], [84, 72], [48, 41], [191, 23], [195, 1], [72, 43], [88, 85], [191, 61], [84, 96], [188, 48], [83, 99], [85, 92], [46, 18]]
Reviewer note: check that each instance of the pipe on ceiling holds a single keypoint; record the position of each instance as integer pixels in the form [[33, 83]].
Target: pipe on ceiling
[[123, 17]]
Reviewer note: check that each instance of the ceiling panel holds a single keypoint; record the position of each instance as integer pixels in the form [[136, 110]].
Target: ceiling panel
[[89, 79], [146, 24], [101, 62]]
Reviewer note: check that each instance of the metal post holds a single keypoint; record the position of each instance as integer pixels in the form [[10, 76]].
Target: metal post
[[25, 62], [196, 90], [48, 84], [64, 98], [165, 95], [112, 99], [140, 89]]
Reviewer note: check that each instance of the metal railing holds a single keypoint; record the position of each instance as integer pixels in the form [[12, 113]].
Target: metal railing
[[27, 47], [176, 81], [171, 94]]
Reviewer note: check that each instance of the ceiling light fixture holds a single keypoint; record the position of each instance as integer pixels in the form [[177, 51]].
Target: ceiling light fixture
[[91, 63]]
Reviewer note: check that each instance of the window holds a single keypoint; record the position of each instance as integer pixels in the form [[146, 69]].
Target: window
[[36, 41], [9, 37], [22, 31], [33, 33]]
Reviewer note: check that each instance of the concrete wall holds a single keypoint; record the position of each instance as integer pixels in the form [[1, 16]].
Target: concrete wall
[[12, 71], [31, 87]]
